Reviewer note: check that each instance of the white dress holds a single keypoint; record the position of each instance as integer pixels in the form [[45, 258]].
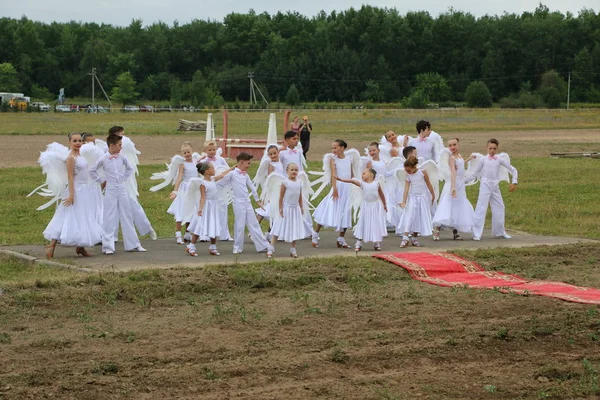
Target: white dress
[[417, 212], [209, 224], [456, 213], [77, 224], [291, 226], [277, 169], [337, 213], [176, 208], [371, 225]]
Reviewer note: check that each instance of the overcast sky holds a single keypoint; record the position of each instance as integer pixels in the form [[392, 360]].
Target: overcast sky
[[121, 12]]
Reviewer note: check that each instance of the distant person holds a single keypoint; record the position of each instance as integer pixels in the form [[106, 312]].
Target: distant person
[[305, 131], [295, 125]]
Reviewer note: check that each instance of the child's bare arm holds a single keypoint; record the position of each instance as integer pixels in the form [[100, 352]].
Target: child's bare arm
[[428, 183]]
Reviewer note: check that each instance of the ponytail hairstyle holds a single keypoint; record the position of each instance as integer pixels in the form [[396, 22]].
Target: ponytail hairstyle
[[411, 162], [203, 167], [341, 143], [371, 170]]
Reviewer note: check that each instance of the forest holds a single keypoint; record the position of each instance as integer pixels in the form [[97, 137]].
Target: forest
[[365, 55]]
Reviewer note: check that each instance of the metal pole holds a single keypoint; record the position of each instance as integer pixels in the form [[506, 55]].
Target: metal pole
[[93, 85], [569, 91]]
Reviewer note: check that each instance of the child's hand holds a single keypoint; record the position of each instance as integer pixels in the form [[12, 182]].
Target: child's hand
[[512, 188], [335, 195], [199, 213], [173, 195], [302, 210], [385, 208], [337, 178], [281, 212], [432, 200], [402, 205], [470, 158], [454, 193], [68, 201], [260, 204], [103, 185]]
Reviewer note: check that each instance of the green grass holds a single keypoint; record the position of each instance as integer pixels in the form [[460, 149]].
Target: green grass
[[349, 124], [555, 197]]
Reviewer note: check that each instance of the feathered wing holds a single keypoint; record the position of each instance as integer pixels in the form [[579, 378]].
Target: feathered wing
[[307, 189], [432, 170], [355, 160], [364, 161], [325, 176], [225, 192], [191, 200], [196, 157], [261, 174], [470, 177], [444, 166], [270, 194], [131, 153], [503, 173], [170, 175], [395, 163], [54, 165], [101, 144], [438, 143], [356, 199]]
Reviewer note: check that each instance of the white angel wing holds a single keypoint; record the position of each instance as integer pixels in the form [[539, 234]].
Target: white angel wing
[[225, 192], [101, 144], [438, 144], [54, 166], [191, 199], [363, 162], [261, 174], [131, 153], [307, 190], [444, 166], [91, 152], [170, 175], [196, 157], [355, 161], [325, 176], [356, 199], [470, 177], [270, 194], [395, 163], [503, 172], [432, 170]]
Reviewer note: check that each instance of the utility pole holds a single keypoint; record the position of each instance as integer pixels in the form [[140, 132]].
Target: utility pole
[[569, 91], [93, 74], [253, 88]]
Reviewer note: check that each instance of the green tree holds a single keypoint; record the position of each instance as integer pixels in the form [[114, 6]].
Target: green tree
[[478, 95], [292, 96], [9, 78], [434, 86], [553, 89], [124, 89], [373, 92], [582, 76], [198, 89], [417, 99]]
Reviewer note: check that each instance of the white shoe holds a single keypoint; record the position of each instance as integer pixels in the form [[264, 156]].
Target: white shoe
[[187, 237], [475, 238], [139, 249], [505, 236], [109, 253], [153, 235]]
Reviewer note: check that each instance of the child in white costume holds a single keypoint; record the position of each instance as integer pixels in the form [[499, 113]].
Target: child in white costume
[[117, 203], [288, 223], [213, 156], [416, 203], [206, 222], [335, 210], [240, 183], [370, 226], [68, 184], [269, 164], [180, 171], [391, 146], [489, 171], [454, 209], [140, 220]]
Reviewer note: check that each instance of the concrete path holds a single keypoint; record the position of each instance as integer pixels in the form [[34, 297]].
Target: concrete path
[[165, 253]]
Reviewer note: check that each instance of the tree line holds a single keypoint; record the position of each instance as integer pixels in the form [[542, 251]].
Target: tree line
[[365, 55]]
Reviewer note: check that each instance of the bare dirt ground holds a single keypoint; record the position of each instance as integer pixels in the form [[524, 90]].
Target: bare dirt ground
[[22, 151]]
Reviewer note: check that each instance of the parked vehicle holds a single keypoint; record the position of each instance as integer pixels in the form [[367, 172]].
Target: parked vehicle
[[41, 106], [62, 108], [146, 109], [131, 109]]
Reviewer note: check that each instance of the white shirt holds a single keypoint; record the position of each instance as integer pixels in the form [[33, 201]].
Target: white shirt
[[216, 161], [240, 183], [488, 169], [289, 156], [424, 148], [117, 169]]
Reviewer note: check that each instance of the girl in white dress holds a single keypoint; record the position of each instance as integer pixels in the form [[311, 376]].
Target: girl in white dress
[[72, 223], [207, 221], [269, 165], [335, 210], [370, 226], [454, 209], [289, 224], [187, 171], [390, 146], [416, 217]]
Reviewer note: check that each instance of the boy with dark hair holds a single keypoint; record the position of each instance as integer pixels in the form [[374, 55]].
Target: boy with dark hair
[[243, 213]]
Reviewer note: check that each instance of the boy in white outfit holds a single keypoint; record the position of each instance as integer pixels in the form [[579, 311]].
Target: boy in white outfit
[[243, 213], [117, 205], [488, 170]]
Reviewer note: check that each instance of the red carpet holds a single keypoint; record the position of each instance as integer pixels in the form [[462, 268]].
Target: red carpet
[[445, 269]]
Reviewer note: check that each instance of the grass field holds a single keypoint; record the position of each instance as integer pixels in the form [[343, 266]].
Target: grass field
[[329, 328], [353, 123], [555, 197]]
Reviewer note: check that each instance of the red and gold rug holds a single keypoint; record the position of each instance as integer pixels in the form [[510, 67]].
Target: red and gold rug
[[446, 269]]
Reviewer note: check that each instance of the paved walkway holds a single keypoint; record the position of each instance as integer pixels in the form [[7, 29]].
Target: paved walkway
[[165, 253]]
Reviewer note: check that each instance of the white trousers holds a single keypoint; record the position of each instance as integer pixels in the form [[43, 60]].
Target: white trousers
[[117, 210], [139, 218], [489, 193], [244, 217]]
